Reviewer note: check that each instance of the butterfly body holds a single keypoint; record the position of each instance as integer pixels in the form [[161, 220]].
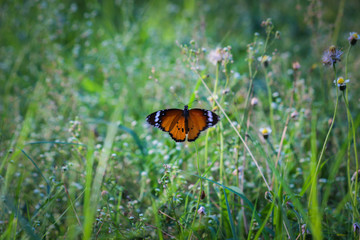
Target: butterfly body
[[183, 123]]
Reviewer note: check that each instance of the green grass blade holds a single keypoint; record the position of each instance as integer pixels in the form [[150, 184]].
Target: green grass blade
[[233, 230], [38, 169]]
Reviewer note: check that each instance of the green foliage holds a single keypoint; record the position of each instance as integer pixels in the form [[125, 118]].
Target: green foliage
[[78, 160]]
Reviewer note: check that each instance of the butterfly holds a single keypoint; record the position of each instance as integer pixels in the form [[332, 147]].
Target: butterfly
[[181, 123]]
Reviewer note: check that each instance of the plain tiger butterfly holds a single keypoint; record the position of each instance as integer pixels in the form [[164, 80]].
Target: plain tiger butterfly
[[181, 123]]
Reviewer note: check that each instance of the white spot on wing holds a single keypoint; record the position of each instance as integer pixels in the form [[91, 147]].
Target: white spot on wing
[[210, 116], [157, 116]]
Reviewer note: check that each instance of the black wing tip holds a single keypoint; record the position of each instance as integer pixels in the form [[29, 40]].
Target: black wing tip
[[150, 119]]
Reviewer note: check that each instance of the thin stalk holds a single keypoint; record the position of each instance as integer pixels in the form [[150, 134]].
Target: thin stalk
[[216, 80], [286, 123], [201, 189], [242, 180], [236, 131], [346, 62], [327, 136], [221, 178], [271, 110], [249, 93], [253, 75], [352, 127], [208, 132]]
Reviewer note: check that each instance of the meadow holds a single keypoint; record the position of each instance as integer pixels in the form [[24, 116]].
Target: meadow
[[79, 161]]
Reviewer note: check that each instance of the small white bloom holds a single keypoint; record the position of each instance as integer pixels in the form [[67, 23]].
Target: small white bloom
[[215, 56], [201, 210], [264, 60], [341, 83], [354, 37], [254, 101], [265, 132]]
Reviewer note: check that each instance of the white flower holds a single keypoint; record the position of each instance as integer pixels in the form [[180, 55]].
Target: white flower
[[264, 60], [331, 56], [201, 210], [354, 36], [254, 101], [265, 132], [215, 56], [341, 83], [220, 55]]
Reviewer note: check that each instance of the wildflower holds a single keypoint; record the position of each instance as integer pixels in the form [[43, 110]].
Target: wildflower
[[220, 55], [304, 229], [226, 91], [341, 83], [331, 56], [354, 36], [201, 211], [264, 60], [215, 56], [266, 23], [105, 195], [330, 121], [294, 115], [265, 132], [356, 174], [268, 196], [254, 101], [296, 65], [356, 227], [211, 98], [236, 171]]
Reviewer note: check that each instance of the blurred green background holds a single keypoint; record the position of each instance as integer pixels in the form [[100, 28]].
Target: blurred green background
[[95, 50], [66, 61]]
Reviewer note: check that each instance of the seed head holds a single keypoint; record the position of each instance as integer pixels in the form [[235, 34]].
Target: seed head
[[331, 56]]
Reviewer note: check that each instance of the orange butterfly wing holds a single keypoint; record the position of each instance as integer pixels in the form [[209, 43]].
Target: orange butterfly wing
[[178, 132], [179, 123], [198, 121], [169, 120]]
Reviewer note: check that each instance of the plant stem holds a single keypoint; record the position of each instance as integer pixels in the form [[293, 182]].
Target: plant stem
[[352, 132], [328, 134], [270, 101], [201, 189]]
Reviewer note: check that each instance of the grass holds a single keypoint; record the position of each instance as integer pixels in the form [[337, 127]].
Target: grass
[[78, 160]]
